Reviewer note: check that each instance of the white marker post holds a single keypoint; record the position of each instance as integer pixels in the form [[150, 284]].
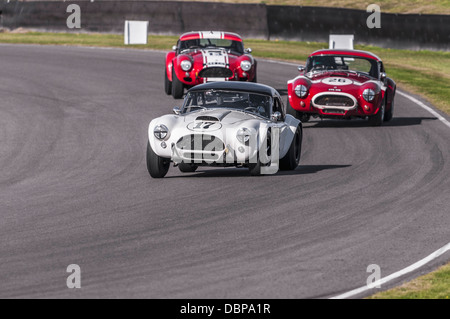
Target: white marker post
[[341, 41], [136, 32]]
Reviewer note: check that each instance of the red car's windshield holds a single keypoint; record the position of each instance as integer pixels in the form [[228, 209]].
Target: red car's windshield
[[229, 45], [342, 63]]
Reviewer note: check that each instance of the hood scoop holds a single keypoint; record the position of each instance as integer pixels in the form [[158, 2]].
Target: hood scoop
[[207, 118], [213, 116]]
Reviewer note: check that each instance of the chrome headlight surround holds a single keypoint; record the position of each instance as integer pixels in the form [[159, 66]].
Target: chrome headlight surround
[[161, 132], [186, 65], [369, 95], [246, 65], [243, 135], [301, 90]]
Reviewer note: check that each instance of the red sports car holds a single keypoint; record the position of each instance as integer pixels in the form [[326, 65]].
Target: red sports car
[[342, 84], [201, 57]]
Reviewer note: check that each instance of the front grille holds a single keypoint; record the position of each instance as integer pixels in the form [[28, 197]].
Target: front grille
[[334, 111], [334, 100], [198, 142], [215, 73]]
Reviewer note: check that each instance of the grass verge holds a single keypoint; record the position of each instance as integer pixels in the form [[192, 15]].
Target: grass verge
[[426, 73], [435, 285]]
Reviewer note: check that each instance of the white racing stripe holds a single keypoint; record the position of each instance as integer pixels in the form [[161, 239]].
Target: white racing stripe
[[397, 274], [211, 35]]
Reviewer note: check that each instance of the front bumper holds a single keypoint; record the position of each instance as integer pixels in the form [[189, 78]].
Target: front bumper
[[196, 77], [324, 104], [236, 155]]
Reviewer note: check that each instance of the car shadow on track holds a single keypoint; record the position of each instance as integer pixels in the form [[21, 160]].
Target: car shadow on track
[[242, 172], [395, 122]]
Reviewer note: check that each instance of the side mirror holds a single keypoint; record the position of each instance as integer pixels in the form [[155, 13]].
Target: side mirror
[[174, 48], [176, 110], [276, 116], [301, 68], [248, 50], [382, 76]]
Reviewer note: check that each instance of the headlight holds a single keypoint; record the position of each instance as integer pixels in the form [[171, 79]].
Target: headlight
[[301, 90], [161, 132], [368, 95], [246, 65], [186, 65], [243, 135]]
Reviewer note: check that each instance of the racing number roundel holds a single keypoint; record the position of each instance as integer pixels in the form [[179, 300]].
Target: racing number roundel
[[204, 126], [337, 81]]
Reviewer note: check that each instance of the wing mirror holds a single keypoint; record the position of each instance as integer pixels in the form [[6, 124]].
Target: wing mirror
[[301, 68], [176, 110], [248, 50], [174, 48], [382, 76], [276, 116]]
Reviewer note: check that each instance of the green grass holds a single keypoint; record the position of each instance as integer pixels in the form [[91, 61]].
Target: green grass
[[426, 73], [84, 39], [435, 285]]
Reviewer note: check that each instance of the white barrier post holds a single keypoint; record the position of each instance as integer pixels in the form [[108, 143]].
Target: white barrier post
[[136, 32], [341, 41]]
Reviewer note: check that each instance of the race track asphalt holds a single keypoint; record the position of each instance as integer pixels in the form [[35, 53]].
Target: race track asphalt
[[74, 189]]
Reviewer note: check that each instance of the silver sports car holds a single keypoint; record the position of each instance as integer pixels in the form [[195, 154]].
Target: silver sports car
[[226, 124]]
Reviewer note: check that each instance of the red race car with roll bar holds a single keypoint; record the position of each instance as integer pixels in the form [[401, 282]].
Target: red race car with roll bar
[[207, 56], [342, 84]]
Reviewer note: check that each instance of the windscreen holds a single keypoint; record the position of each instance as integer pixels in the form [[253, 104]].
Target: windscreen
[[257, 104], [342, 63], [229, 45]]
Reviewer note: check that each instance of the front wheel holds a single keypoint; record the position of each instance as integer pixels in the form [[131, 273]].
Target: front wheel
[[377, 119], [264, 153], [157, 166], [303, 117], [292, 158], [167, 84], [255, 79], [390, 113], [177, 86]]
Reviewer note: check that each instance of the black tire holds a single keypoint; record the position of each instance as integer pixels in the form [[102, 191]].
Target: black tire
[[303, 117], [187, 167], [290, 110], [255, 168], [292, 158], [389, 114], [255, 79], [377, 119], [157, 166], [167, 84], [177, 86]]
